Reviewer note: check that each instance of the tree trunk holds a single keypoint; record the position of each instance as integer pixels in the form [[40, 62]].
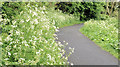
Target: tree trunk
[[107, 9], [112, 5]]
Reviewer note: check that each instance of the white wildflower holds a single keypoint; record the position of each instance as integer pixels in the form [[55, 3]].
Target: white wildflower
[[70, 48], [63, 50], [36, 21], [66, 43], [66, 58], [9, 53], [43, 7], [26, 45], [54, 27], [21, 12], [15, 54], [1, 43], [57, 30], [72, 64], [59, 49], [14, 22], [27, 20], [37, 52], [30, 11], [60, 63], [34, 13], [32, 26], [73, 50], [42, 12], [22, 59], [54, 35], [14, 26], [22, 21], [41, 49], [0, 38], [24, 42], [36, 38], [49, 56], [17, 32], [57, 38], [14, 46], [33, 47], [30, 40], [7, 39], [48, 63], [63, 41], [6, 59]]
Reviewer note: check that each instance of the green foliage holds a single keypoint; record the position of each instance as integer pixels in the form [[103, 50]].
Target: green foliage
[[11, 9], [30, 39], [103, 33], [62, 19], [84, 10]]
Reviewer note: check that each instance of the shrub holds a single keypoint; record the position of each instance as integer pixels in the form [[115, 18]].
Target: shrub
[[11, 9]]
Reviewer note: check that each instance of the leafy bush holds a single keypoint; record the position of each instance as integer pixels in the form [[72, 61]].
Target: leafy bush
[[103, 33], [30, 39], [84, 10], [11, 9]]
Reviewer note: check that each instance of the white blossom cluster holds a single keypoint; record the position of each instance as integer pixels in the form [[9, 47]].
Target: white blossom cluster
[[31, 40]]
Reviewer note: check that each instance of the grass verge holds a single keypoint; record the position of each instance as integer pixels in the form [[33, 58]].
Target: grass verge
[[104, 33]]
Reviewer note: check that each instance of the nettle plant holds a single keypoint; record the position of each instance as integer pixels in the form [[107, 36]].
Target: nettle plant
[[30, 40]]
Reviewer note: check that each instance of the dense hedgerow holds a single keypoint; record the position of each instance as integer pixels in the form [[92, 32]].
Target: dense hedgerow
[[103, 33], [30, 39]]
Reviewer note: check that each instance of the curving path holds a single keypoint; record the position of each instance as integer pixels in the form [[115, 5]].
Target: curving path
[[86, 52]]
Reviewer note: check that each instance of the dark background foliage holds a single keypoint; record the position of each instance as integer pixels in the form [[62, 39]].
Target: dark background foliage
[[11, 9], [84, 10]]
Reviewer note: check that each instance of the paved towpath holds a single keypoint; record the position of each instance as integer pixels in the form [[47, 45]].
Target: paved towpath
[[86, 51]]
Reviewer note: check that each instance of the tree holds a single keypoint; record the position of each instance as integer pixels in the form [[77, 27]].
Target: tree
[[111, 7]]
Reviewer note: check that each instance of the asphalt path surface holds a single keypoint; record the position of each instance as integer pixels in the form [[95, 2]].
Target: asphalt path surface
[[86, 52]]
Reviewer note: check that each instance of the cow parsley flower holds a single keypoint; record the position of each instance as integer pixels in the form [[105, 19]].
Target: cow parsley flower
[[6, 59], [1, 43], [72, 64], [35, 14], [36, 21], [26, 45], [9, 53]]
